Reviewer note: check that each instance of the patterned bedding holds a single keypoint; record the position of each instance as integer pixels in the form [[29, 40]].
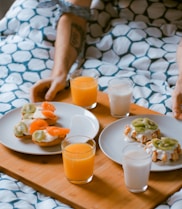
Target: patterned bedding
[[136, 39], [130, 38]]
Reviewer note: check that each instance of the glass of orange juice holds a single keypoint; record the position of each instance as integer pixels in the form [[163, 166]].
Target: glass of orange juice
[[78, 154], [84, 87]]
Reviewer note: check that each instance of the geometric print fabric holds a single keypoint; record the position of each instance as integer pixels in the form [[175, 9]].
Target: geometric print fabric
[[137, 39], [129, 38]]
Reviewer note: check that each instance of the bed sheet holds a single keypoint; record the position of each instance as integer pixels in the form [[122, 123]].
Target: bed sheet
[[130, 38], [136, 39], [16, 195]]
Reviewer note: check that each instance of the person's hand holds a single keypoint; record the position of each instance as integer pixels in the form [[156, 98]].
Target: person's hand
[[47, 89], [177, 100]]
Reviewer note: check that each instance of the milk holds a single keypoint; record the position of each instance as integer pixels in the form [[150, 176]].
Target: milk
[[120, 93], [136, 165]]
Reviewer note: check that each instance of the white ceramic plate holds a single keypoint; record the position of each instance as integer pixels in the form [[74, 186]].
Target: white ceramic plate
[[111, 140], [79, 120]]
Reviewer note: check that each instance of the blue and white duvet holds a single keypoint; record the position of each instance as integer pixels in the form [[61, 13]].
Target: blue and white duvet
[[130, 38]]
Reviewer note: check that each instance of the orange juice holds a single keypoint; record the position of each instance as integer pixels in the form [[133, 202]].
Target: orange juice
[[84, 91], [78, 161]]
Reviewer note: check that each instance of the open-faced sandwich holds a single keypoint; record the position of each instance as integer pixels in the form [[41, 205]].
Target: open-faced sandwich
[[141, 130], [38, 124], [45, 111], [164, 149], [50, 136], [25, 128]]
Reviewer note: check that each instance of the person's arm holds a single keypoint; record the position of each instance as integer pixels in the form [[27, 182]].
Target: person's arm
[[70, 38], [177, 94], [69, 41]]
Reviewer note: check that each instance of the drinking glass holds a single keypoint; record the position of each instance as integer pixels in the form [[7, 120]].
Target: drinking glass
[[136, 164], [78, 154], [84, 87], [120, 94]]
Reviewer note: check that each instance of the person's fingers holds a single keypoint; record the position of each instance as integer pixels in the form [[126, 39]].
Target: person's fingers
[[177, 112], [177, 115], [55, 87], [176, 106], [39, 90]]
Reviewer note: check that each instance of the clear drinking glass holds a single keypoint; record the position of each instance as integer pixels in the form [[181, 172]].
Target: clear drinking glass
[[84, 88], [78, 154], [120, 94], [136, 164]]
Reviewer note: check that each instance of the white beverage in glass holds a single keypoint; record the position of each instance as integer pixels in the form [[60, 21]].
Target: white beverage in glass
[[136, 165], [120, 93]]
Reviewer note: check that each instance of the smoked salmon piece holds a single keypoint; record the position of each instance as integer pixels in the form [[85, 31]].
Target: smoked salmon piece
[[37, 124], [48, 106], [49, 115], [57, 131]]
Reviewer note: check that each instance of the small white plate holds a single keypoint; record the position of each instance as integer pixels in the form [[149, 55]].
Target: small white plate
[[79, 120], [111, 140]]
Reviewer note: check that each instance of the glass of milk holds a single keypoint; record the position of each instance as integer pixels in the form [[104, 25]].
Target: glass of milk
[[136, 164], [120, 94]]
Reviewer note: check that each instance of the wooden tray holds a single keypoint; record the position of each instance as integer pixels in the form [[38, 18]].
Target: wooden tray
[[107, 190]]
